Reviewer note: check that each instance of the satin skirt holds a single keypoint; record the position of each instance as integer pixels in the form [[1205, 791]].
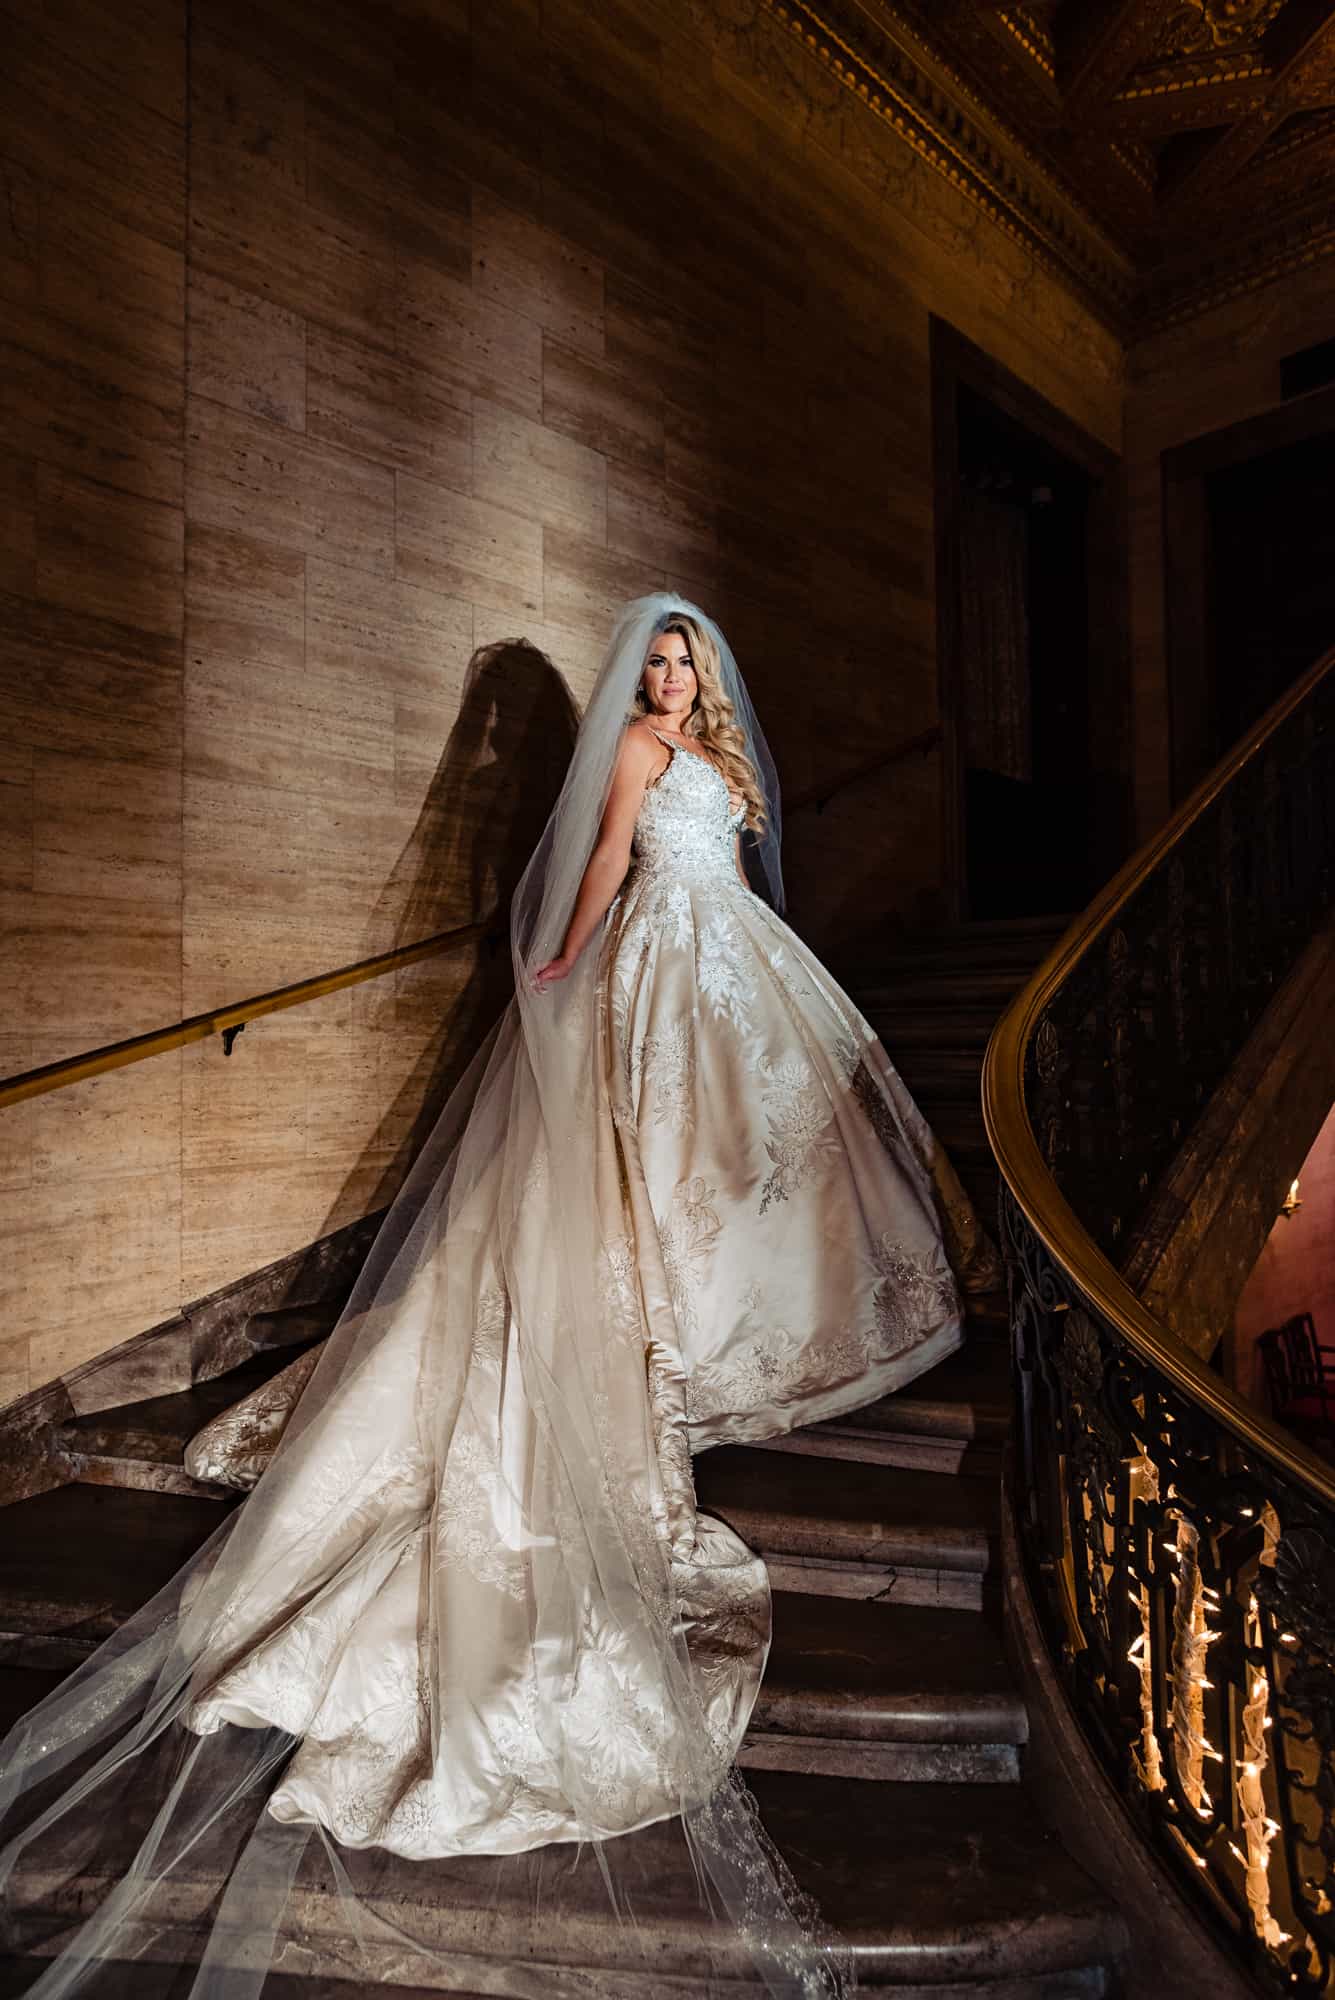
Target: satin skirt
[[781, 1240]]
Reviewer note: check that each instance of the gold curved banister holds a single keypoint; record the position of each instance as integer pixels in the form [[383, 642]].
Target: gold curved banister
[[1011, 1136], [1155, 1513], [230, 1020]]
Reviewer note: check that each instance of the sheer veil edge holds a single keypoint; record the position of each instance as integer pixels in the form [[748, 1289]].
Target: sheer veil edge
[[155, 1789]]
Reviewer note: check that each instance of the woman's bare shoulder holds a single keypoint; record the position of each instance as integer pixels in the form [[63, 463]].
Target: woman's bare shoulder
[[639, 744]]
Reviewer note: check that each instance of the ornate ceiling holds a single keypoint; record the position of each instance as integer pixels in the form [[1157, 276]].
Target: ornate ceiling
[[1166, 154]]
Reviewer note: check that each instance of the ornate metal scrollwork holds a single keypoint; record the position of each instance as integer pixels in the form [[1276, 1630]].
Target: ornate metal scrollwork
[[1140, 1034], [1189, 1601], [1186, 1581]]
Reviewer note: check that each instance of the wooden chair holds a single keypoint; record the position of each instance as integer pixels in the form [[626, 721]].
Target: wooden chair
[[1300, 1376]]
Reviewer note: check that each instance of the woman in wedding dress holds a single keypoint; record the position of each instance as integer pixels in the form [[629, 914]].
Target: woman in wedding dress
[[471, 1609]]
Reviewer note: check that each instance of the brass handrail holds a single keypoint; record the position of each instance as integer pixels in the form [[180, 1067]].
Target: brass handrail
[[229, 1021], [1011, 1135]]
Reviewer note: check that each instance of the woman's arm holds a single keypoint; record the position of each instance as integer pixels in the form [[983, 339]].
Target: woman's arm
[[737, 857], [610, 859]]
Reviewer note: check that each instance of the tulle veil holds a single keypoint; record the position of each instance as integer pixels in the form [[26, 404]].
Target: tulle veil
[[125, 1800]]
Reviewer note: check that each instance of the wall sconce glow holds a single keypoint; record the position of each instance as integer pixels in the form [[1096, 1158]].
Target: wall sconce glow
[[1290, 1201]]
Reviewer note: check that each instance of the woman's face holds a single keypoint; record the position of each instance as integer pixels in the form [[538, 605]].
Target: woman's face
[[669, 678]]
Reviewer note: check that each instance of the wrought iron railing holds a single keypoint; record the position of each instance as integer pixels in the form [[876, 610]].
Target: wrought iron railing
[[1179, 1547]]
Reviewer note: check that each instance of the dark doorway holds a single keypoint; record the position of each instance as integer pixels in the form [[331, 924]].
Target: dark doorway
[[1033, 676], [1249, 521], [1271, 555]]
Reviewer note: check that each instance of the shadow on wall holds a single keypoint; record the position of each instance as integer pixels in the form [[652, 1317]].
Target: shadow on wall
[[492, 792], [1295, 1272]]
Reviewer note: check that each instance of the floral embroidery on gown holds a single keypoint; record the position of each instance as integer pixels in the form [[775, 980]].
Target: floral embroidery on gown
[[786, 1194], [782, 1242]]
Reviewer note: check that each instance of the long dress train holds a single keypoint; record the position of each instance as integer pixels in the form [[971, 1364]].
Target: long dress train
[[779, 1230]]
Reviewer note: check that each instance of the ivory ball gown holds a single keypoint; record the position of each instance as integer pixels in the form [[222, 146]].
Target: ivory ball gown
[[782, 1240]]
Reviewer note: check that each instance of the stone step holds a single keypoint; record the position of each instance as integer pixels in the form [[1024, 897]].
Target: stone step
[[900, 1692], [937, 983], [851, 1689], [21, 1688], [77, 1561], [953, 1419], [142, 1445], [934, 1889], [842, 1529], [930, 1029], [148, 1982], [936, 1075], [1019, 944]]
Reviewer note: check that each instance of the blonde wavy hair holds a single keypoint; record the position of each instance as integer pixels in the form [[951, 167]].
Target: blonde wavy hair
[[711, 721]]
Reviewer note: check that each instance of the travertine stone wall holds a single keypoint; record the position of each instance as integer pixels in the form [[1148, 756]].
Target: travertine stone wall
[[342, 342], [1211, 372]]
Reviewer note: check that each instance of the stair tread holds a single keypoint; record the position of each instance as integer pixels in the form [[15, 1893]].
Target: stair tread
[[82, 1559], [887, 1673], [968, 1395], [21, 1688], [956, 1879], [955, 1882], [795, 1504], [159, 1428]]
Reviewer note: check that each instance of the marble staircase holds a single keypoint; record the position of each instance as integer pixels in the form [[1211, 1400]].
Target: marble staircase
[[887, 1747]]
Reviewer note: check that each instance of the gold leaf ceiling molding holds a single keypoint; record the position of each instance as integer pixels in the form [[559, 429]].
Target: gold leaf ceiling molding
[[948, 130], [901, 70], [1200, 27]]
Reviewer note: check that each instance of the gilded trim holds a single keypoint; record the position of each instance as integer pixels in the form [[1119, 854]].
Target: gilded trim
[[898, 88], [897, 76], [1011, 1136], [118, 1055]]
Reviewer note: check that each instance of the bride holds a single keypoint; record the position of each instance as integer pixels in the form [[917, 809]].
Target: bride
[[681, 1199]]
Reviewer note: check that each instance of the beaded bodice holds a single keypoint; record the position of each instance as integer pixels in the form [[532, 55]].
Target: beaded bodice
[[688, 824]]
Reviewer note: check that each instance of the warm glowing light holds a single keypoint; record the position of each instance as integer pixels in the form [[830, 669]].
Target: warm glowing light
[[1290, 1201]]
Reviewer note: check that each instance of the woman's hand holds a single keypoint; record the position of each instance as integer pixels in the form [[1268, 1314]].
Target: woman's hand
[[548, 975]]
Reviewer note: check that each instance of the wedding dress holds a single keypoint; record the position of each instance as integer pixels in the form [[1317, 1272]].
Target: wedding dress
[[683, 1200], [792, 1226]]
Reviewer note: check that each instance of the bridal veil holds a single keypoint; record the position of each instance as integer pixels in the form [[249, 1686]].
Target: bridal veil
[[478, 1464]]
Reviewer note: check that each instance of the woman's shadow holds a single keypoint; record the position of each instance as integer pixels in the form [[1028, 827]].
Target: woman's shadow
[[484, 811]]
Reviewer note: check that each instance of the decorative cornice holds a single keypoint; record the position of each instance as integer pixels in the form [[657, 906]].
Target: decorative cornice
[[1250, 268], [1037, 45], [1180, 78], [876, 51], [958, 140]]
